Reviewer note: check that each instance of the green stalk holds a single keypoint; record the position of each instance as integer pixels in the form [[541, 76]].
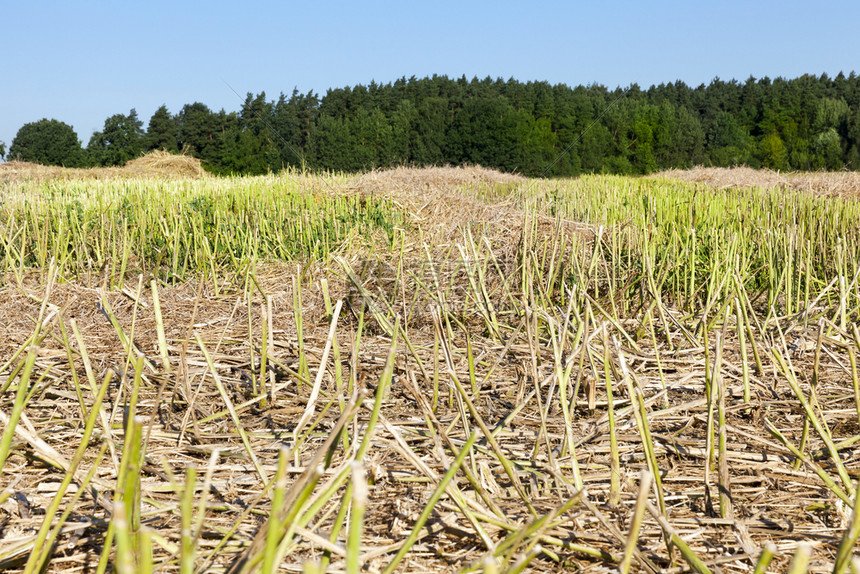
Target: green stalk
[[851, 535], [274, 527], [339, 519], [532, 532], [312, 399], [356, 519], [145, 565], [739, 317], [125, 562], [645, 479], [800, 560], [641, 416], [690, 557], [91, 378], [264, 350], [825, 436], [297, 314], [17, 405], [428, 508], [338, 367], [70, 357], [129, 481], [724, 481], [233, 414], [825, 478], [562, 375], [37, 559], [525, 560], [186, 505], [813, 401], [298, 494], [615, 464], [506, 465], [854, 377], [765, 558]]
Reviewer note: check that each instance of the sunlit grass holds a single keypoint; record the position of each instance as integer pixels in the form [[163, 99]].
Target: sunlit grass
[[174, 229]]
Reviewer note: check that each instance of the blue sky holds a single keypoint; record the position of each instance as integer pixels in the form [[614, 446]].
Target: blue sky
[[80, 62]]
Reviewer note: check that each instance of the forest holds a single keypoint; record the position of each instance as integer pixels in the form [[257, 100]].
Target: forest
[[533, 128]]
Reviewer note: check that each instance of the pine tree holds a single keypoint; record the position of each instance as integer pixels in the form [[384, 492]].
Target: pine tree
[[161, 132]]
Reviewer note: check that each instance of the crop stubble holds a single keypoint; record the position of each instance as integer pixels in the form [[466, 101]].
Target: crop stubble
[[501, 296]]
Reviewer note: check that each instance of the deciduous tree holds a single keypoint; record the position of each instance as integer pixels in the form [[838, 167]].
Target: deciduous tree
[[121, 140], [49, 142]]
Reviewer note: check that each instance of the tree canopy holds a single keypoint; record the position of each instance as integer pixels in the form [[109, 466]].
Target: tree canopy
[[49, 142], [121, 140], [534, 128]]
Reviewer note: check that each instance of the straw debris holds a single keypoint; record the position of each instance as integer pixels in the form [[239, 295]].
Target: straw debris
[[828, 183], [493, 387], [155, 164]]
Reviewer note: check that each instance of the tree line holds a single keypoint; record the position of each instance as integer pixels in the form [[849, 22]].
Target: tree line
[[533, 128]]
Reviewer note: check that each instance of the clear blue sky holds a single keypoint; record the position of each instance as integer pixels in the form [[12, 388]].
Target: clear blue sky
[[80, 62]]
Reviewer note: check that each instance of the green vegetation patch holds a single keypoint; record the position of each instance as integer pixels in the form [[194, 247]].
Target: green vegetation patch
[[174, 228]]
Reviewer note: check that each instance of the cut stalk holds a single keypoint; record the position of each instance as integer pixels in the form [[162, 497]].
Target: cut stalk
[[645, 479]]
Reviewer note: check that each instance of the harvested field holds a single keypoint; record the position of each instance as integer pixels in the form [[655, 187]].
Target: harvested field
[[439, 370], [843, 183], [154, 164]]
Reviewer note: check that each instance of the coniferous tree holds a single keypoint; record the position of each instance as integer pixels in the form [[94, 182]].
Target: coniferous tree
[[197, 129], [533, 128], [429, 134], [331, 144], [728, 143], [161, 132]]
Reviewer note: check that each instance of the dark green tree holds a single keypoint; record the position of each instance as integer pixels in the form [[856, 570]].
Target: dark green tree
[[257, 148], [727, 142], [830, 113], [533, 128], [403, 120], [291, 121], [2, 150], [535, 146], [853, 143], [595, 147], [199, 129], [428, 134], [484, 132], [679, 140], [161, 132], [331, 144], [49, 142], [121, 140]]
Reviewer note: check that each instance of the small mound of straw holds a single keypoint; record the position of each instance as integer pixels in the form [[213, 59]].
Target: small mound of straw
[[156, 163], [839, 183], [160, 162]]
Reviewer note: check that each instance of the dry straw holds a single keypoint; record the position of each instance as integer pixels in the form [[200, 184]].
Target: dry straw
[[157, 164], [452, 415]]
